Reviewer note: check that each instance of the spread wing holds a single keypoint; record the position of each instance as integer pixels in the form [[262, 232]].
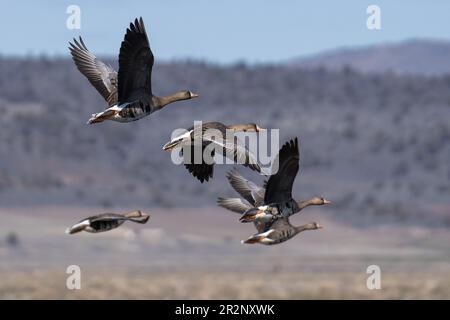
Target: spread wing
[[251, 192], [102, 76], [239, 154], [279, 186], [135, 64], [202, 171], [231, 149], [237, 205], [107, 217]]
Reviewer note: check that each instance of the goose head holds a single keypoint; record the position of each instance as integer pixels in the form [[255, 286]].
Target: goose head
[[315, 201], [315, 226], [320, 201], [187, 94]]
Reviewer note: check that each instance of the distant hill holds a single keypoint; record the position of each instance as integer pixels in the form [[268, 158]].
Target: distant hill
[[420, 57], [377, 145]]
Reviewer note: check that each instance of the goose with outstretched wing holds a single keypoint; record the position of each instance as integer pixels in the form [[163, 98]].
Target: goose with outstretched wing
[[107, 221], [206, 139], [278, 201], [253, 197], [270, 232], [129, 92]]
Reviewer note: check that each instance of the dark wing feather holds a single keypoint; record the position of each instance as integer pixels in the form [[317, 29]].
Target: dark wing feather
[[102, 76], [135, 64], [107, 217], [202, 171], [279, 186]]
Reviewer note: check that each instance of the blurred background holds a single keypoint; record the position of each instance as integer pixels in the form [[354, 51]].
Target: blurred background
[[371, 109]]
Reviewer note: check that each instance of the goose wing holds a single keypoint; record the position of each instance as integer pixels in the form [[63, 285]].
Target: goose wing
[[251, 192], [202, 171], [102, 76], [279, 185], [237, 205], [238, 153], [135, 64], [107, 217]]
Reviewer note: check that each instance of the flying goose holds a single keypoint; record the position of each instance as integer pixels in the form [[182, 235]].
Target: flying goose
[[129, 92], [212, 135], [279, 231], [278, 201], [107, 221], [254, 195]]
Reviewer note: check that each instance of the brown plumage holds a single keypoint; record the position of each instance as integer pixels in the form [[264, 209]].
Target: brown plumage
[[129, 92], [213, 134], [254, 197], [107, 221], [280, 231]]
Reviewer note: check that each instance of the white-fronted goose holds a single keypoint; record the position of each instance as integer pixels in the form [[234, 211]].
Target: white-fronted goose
[[278, 201], [280, 231], [254, 197], [197, 139], [107, 221], [128, 93]]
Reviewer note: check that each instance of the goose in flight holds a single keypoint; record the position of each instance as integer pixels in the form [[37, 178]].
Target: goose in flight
[[208, 138], [129, 92], [107, 221], [278, 201], [253, 196], [279, 231]]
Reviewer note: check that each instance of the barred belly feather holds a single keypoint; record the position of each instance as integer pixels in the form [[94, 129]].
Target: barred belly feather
[[135, 111], [105, 225]]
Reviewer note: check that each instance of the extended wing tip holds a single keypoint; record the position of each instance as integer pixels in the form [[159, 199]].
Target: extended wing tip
[[229, 175]]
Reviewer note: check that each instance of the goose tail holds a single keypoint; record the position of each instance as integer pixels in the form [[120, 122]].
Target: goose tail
[[172, 144], [78, 227], [101, 116]]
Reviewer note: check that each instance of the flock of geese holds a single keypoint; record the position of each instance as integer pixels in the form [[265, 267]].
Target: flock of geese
[[129, 97]]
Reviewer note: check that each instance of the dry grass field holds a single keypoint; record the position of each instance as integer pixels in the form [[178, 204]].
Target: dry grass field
[[179, 254], [225, 285]]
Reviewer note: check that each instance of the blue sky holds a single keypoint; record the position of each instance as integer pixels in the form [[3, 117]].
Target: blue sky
[[219, 31]]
